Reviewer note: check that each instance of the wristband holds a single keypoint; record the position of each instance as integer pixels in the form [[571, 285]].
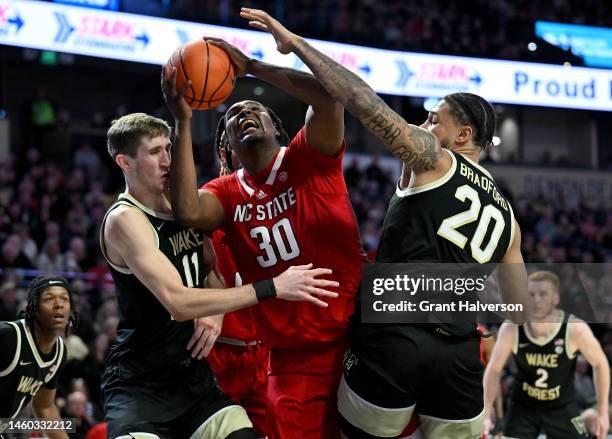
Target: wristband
[[264, 289]]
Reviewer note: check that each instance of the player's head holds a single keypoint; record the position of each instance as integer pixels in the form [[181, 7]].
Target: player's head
[[462, 119], [140, 145], [543, 290], [50, 305], [247, 124]]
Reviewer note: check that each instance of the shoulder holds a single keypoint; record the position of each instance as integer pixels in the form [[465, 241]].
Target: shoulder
[[124, 217], [8, 330], [577, 327], [219, 183]]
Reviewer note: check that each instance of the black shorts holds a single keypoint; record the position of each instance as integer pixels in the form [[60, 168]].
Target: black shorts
[[175, 408], [438, 377], [559, 423]]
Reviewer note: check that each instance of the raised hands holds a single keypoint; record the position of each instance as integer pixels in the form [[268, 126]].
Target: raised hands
[[173, 97], [261, 20]]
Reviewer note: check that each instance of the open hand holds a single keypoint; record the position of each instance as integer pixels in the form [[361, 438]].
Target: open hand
[[240, 60], [301, 283], [206, 331], [285, 40]]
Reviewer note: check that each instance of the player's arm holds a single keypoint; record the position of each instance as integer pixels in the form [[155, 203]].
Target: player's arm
[[416, 147], [192, 207], [44, 407], [506, 338], [129, 239], [324, 125], [582, 339], [512, 278]]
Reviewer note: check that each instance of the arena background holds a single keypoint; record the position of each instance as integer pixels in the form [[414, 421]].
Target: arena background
[[56, 178]]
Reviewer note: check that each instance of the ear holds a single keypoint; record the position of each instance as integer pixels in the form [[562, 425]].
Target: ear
[[125, 162], [556, 298], [465, 135]]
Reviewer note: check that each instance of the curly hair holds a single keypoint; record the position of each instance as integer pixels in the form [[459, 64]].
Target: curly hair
[[35, 290], [221, 141], [475, 111]]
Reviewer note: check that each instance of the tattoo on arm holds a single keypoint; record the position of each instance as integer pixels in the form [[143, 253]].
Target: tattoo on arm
[[413, 145]]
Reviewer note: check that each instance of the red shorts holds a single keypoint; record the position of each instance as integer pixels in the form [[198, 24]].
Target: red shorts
[[241, 372], [302, 386]]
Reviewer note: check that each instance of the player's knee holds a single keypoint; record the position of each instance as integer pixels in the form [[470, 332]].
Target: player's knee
[[243, 433]]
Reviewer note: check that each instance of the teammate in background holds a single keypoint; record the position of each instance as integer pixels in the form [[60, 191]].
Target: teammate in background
[[152, 387], [443, 206], [238, 359], [32, 352], [544, 349], [286, 205]]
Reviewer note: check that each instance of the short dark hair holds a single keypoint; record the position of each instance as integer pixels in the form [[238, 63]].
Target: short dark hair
[[38, 286], [125, 134], [221, 141], [475, 111]]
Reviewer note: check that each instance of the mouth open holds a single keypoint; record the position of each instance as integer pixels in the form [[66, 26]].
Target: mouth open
[[247, 126], [59, 318]]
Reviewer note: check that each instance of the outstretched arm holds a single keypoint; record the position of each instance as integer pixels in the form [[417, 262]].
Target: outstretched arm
[[501, 351], [130, 243], [325, 116], [44, 407], [585, 342], [190, 206], [415, 146]]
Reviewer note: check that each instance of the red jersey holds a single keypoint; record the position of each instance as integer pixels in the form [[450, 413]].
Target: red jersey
[[238, 324], [297, 211]]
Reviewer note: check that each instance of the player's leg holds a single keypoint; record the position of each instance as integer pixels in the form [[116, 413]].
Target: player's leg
[[215, 416], [565, 423], [521, 422], [242, 373], [302, 388], [134, 412], [452, 404], [376, 397], [256, 402]]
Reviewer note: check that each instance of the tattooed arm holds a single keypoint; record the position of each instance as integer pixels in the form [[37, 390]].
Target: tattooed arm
[[416, 147]]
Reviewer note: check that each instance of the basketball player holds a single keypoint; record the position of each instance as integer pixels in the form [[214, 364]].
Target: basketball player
[[238, 359], [287, 204], [152, 386], [544, 350], [32, 352], [434, 216]]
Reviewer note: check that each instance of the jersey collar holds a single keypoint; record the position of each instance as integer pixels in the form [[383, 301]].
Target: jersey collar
[[242, 178]]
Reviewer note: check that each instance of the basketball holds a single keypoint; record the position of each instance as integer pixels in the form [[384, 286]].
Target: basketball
[[210, 71]]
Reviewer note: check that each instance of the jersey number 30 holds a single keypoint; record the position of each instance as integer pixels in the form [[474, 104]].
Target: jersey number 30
[[276, 244], [449, 225]]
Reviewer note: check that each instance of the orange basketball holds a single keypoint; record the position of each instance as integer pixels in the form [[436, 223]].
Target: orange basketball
[[210, 70]]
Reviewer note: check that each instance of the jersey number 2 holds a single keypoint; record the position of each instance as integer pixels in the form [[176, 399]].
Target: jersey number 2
[[449, 225], [287, 250]]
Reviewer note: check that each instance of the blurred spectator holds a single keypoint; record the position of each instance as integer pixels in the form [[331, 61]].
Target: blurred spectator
[[9, 301], [86, 157], [79, 408], [50, 258]]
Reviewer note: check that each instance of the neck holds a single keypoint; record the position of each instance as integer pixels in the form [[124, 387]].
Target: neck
[[158, 202], [545, 324], [255, 159], [470, 151], [44, 340]]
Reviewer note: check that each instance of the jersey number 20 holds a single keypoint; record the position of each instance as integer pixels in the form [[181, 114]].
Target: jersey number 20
[[274, 244], [449, 225]]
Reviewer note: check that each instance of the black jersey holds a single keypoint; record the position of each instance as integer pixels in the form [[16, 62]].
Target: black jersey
[[460, 218], [149, 341], [545, 370], [24, 369]]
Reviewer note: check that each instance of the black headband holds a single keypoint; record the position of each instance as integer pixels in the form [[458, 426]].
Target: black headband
[[40, 284]]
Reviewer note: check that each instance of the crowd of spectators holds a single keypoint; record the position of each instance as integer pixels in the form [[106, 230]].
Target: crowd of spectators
[[50, 217], [481, 28]]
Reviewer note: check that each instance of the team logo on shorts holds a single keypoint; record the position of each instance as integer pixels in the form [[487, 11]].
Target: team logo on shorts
[[349, 361], [283, 176]]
